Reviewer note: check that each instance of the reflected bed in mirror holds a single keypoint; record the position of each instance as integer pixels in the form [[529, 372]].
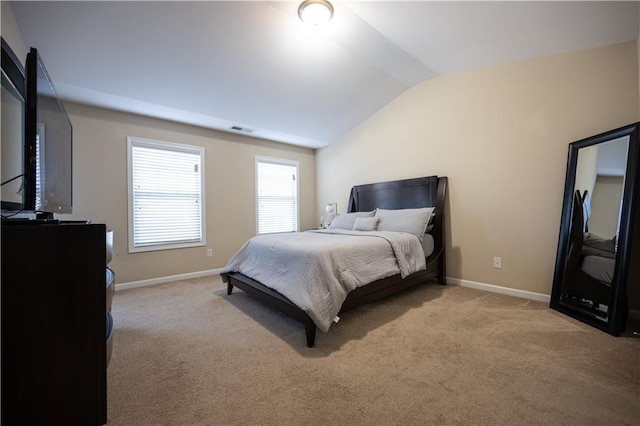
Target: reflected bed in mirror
[[598, 216]]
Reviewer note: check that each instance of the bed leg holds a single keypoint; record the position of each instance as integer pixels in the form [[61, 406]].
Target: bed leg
[[442, 266], [310, 329], [229, 288]]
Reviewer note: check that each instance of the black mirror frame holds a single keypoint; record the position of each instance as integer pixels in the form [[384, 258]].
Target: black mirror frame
[[618, 309]]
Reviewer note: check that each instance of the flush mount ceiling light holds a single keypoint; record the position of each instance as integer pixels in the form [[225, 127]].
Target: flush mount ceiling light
[[315, 12]]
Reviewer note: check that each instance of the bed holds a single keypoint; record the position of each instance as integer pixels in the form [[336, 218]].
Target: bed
[[384, 198]]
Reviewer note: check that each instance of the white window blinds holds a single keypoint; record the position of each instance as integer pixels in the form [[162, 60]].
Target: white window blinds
[[277, 195], [40, 168], [166, 202]]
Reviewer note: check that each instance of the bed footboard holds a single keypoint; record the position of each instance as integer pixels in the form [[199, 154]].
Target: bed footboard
[[358, 297], [274, 299]]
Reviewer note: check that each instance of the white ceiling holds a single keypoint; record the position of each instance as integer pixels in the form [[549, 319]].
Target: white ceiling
[[253, 64]]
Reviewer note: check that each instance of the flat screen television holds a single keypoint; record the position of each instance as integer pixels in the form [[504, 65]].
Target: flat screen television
[[48, 179], [37, 141], [13, 99]]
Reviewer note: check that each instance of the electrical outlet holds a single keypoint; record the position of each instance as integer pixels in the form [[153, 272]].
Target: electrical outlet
[[497, 262], [209, 252]]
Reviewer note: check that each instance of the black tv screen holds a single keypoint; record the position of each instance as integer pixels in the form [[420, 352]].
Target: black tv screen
[[48, 179]]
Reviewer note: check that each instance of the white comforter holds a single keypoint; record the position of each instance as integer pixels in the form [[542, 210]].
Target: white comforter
[[317, 269]]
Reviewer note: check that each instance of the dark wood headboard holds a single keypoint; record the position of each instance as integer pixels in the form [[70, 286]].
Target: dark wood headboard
[[404, 194], [397, 194]]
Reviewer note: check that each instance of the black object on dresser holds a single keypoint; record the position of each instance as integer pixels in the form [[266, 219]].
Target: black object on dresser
[[54, 317]]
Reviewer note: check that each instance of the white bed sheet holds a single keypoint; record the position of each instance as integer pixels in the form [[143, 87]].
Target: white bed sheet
[[317, 269], [428, 245], [600, 268]]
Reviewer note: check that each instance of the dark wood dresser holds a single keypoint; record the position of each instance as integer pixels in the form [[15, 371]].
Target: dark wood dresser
[[54, 324]]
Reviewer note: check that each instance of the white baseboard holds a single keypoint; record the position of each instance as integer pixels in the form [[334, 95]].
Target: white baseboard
[[634, 314], [502, 290], [162, 280]]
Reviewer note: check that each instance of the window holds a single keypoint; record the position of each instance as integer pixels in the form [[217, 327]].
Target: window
[[166, 201], [276, 195], [40, 168]]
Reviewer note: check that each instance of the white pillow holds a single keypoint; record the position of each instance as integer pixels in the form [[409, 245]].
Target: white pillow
[[365, 224], [413, 221], [346, 221]]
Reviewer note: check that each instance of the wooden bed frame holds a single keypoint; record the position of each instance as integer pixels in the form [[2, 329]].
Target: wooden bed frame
[[401, 194]]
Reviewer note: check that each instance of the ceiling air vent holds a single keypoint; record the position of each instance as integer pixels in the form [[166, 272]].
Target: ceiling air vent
[[242, 129]]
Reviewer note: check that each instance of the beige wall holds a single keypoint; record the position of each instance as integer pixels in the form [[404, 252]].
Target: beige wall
[[100, 187], [501, 135], [586, 169], [605, 205]]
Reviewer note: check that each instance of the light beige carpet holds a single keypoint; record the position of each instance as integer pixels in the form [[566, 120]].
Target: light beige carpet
[[185, 353]]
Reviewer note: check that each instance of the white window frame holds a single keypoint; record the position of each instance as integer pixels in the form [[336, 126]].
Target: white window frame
[[164, 146], [284, 162]]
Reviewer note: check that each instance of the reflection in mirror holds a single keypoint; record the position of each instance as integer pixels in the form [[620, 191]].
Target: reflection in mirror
[[12, 130], [12, 110], [594, 267], [595, 225]]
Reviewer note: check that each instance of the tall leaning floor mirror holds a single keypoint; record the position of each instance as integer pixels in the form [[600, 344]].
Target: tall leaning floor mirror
[[597, 271]]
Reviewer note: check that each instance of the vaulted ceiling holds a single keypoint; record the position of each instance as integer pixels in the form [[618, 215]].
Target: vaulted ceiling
[[253, 65]]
